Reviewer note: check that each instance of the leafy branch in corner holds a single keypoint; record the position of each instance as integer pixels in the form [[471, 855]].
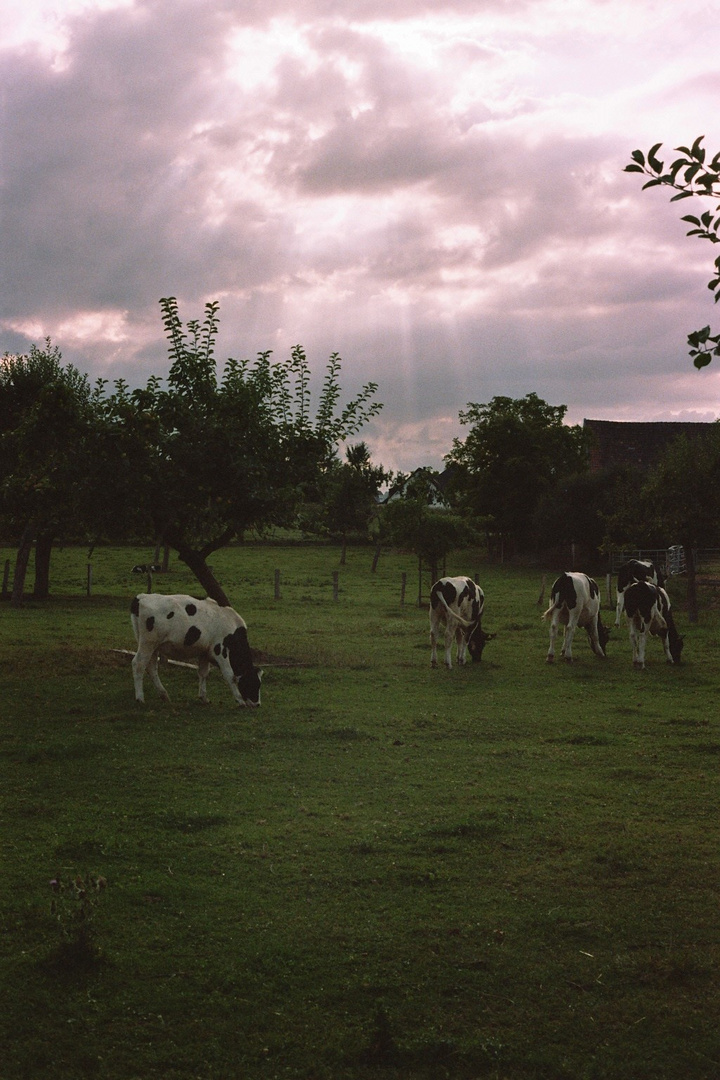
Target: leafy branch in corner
[[690, 175]]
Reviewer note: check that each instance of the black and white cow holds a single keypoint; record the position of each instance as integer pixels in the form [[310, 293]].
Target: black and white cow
[[575, 601], [183, 628], [457, 603], [635, 570], [647, 607]]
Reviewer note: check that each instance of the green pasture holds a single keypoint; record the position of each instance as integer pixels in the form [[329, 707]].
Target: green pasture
[[510, 870]]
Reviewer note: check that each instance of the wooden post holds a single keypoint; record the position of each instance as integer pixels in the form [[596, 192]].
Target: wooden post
[[336, 577], [541, 597], [277, 584], [403, 586], [608, 586], [6, 580], [376, 556], [89, 579]]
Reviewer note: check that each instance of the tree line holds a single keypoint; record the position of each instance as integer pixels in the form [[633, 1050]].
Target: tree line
[[209, 456]]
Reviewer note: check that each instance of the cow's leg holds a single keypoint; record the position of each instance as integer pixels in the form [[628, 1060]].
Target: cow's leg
[[203, 669], [461, 640], [566, 651], [659, 628], [142, 662], [553, 634], [619, 607], [449, 638], [153, 670], [138, 669], [434, 626], [637, 638], [665, 638]]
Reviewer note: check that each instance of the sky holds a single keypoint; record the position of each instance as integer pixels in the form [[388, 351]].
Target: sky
[[433, 189]]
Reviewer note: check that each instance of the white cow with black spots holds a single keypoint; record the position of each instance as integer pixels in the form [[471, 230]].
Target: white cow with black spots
[[183, 628], [457, 604], [575, 601]]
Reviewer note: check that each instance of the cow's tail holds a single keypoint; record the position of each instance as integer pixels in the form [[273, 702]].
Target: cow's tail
[[453, 614], [557, 603]]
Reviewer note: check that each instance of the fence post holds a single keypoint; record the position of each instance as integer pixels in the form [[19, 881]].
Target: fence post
[[89, 579], [402, 588], [376, 557], [277, 584], [336, 577], [6, 580]]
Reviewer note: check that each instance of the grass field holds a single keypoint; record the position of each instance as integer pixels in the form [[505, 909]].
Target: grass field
[[509, 871]]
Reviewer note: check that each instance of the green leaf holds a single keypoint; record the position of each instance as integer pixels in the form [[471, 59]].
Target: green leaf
[[683, 195], [693, 220], [702, 360], [652, 183], [633, 168], [637, 155], [698, 151], [652, 158]]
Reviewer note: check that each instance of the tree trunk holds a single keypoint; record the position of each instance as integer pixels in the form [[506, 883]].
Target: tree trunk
[[195, 560], [21, 565], [43, 551]]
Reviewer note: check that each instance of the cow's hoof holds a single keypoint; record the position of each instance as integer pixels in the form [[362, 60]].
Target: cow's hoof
[[433, 663], [637, 665], [549, 659], [568, 659]]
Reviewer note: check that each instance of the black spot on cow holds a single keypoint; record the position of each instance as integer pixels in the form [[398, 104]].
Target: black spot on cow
[[135, 606], [192, 636], [563, 592], [218, 649], [149, 623], [448, 591], [171, 614], [191, 609]]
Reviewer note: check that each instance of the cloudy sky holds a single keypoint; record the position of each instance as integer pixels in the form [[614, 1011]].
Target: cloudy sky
[[432, 188]]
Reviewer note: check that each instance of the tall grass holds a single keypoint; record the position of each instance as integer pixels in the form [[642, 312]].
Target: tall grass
[[508, 870]]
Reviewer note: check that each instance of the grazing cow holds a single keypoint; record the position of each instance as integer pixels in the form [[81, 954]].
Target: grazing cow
[[635, 570], [182, 628], [575, 601], [457, 602], [647, 607]]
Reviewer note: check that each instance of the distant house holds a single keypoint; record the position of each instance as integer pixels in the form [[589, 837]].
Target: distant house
[[426, 480], [615, 443]]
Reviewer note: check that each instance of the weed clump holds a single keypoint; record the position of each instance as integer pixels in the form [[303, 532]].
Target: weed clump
[[73, 907]]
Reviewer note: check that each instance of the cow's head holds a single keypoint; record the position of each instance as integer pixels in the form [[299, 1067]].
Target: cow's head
[[247, 677], [675, 643], [603, 634], [477, 641], [248, 683]]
